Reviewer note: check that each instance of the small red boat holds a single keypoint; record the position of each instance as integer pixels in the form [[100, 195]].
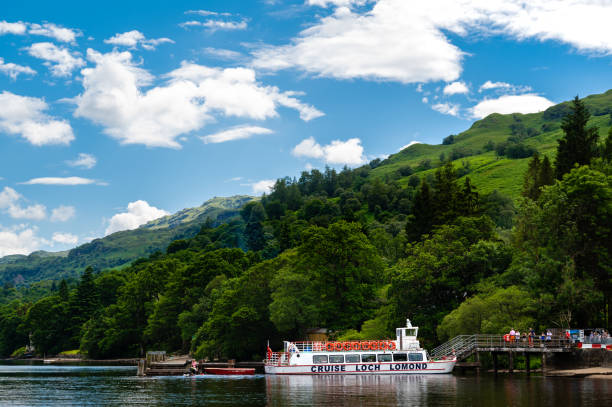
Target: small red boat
[[229, 371]]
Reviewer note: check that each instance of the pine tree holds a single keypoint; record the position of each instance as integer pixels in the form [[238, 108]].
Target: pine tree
[[63, 291], [468, 203], [579, 143], [546, 174], [607, 148], [421, 220], [530, 183], [446, 195]]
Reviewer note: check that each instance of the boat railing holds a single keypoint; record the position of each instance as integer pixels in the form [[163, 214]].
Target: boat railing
[[278, 359], [342, 346]]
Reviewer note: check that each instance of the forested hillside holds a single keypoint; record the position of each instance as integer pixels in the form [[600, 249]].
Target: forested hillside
[[424, 234], [33, 274]]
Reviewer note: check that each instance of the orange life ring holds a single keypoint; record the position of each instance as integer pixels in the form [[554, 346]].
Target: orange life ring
[[338, 346], [391, 345], [374, 345], [329, 346], [355, 346], [383, 345], [346, 346], [365, 345]]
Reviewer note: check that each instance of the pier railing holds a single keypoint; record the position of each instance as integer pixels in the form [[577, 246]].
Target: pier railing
[[463, 346]]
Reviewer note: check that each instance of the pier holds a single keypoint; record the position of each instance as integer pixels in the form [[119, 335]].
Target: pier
[[464, 346]]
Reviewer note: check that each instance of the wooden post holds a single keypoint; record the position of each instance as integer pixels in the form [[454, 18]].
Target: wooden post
[[494, 362], [142, 367], [527, 362], [543, 362], [478, 361], [511, 362]]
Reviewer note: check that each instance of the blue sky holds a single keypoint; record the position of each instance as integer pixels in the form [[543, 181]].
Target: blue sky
[[114, 113]]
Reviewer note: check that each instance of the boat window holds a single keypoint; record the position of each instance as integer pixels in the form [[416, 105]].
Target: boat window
[[319, 359], [352, 358], [336, 358], [384, 357], [415, 357], [368, 358], [400, 357]]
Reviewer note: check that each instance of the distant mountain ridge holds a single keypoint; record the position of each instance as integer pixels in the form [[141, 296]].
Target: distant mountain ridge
[[120, 248]]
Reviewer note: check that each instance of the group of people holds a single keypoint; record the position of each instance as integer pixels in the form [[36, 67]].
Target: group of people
[[530, 336], [597, 336]]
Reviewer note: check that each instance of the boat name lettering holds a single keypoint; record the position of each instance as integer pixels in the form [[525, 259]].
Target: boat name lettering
[[328, 368], [408, 366], [363, 368]]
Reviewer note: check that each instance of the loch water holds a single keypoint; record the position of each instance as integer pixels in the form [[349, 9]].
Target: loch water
[[44, 385]]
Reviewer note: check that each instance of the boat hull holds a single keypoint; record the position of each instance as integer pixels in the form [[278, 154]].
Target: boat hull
[[229, 371], [431, 367]]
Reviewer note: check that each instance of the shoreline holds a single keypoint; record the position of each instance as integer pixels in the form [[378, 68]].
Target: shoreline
[[586, 373], [66, 361]]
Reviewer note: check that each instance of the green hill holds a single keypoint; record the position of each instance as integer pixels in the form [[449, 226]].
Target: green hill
[[486, 169], [120, 248]]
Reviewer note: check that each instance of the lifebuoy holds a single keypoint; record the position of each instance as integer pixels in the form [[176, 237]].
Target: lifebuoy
[[391, 345], [383, 345], [329, 346], [355, 346], [346, 346], [374, 345], [338, 346], [365, 345]]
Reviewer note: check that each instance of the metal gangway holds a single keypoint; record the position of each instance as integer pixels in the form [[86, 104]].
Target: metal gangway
[[463, 346]]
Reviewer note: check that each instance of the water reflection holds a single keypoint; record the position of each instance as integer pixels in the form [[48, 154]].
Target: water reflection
[[112, 386], [375, 390]]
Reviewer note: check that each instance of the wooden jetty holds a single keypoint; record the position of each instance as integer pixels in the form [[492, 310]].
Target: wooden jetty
[[464, 346], [158, 364]]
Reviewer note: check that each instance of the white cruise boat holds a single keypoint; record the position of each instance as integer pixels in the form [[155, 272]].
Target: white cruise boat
[[401, 356]]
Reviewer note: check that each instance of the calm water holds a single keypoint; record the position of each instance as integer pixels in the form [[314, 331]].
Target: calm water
[[118, 386]]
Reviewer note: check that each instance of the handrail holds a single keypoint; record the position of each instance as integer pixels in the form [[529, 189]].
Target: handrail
[[464, 345]]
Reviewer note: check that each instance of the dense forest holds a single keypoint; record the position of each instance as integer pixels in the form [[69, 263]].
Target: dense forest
[[357, 255]]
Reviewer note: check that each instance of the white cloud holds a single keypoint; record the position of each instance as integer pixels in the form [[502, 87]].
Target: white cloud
[[54, 31], [65, 238], [528, 103], [134, 38], [19, 240], [138, 213], [349, 152], [456, 88], [336, 3], [405, 41], [235, 133], [263, 186], [224, 54], [215, 25], [62, 213], [190, 99], [13, 70], [446, 108], [60, 61], [61, 181], [84, 160], [25, 116], [409, 144], [17, 28], [504, 87], [207, 13], [10, 203]]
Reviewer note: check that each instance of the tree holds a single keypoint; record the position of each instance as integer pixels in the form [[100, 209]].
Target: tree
[[422, 218], [343, 268], [579, 143]]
